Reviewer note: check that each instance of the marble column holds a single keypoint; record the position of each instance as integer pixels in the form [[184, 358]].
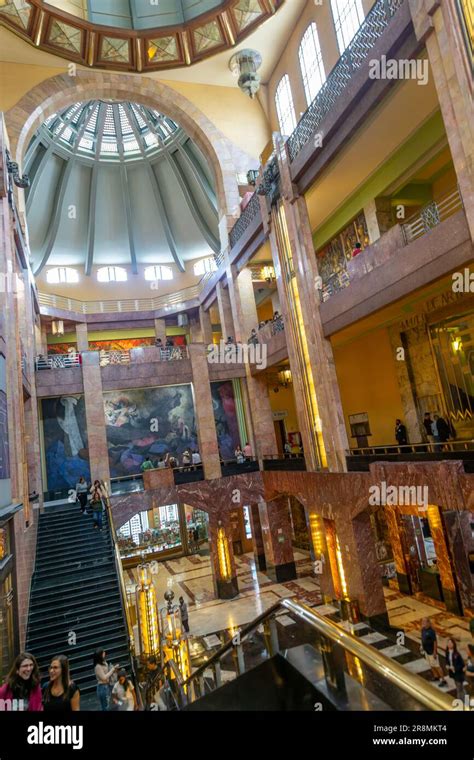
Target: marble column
[[195, 330], [320, 556], [360, 567], [276, 530], [160, 330], [82, 339], [225, 312], [257, 390], [206, 426], [95, 419], [459, 537], [443, 560], [206, 326], [224, 571], [378, 217], [257, 538], [394, 532], [293, 252]]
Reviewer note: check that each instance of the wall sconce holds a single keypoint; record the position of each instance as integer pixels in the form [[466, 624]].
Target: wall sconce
[[456, 344], [285, 377], [147, 613], [223, 555], [245, 65], [268, 274], [57, 327]]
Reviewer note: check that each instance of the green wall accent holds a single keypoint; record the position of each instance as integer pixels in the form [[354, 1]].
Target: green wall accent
[[428, 135]]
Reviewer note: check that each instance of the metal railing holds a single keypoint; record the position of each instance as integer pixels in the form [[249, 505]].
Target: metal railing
[[114, 357], [335, 283], [57, 361], [431, 215], [244, 221], [121, 305], [374, 25], [208, 677], [412, 448]]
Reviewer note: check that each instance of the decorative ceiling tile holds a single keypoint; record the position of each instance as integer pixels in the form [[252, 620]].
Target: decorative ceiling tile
[[162, 49], [65, 36], [207, 36], [17, 11], [115, 49], [246, 12]]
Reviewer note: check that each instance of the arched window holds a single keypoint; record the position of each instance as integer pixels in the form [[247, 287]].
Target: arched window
[[284, 106], [205, 265], [158, 272], [61, 275], [311, 63], [111, 274], [348, 15]]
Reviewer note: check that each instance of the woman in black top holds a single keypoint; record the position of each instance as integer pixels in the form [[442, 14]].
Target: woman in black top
[[61, 694], [455, 667]]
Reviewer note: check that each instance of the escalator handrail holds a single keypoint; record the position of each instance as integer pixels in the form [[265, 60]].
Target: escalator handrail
[[414, 685]]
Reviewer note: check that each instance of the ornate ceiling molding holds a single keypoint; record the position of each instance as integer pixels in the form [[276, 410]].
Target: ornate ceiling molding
[[102, 47]]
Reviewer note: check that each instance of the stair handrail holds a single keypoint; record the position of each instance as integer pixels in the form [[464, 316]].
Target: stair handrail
[[412, 684], [123, 594]]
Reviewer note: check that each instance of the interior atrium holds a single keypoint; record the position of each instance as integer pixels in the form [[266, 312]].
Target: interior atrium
[[236, 356]]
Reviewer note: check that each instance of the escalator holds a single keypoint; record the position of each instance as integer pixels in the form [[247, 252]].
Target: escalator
[[321, 667]]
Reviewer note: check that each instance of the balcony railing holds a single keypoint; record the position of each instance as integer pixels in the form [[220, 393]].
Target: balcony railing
[[121, 305], [431, 215], [57, 361], [352, 58], [244, 221]]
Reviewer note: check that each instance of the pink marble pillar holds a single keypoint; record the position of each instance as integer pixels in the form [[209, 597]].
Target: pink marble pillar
[[459, 538], [225, 311], [160, 330], [257, 538], [206, 426], [82, 339], [224, 571], [360, 567], [276, 531], [94, 403]]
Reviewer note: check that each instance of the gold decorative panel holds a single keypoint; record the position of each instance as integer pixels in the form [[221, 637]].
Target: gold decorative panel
[[65, 36], [207, 36], [162, 49], [17, 11], [246, 12], [115, 49]]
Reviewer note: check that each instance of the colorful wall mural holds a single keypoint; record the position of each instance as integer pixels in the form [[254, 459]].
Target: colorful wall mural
[[65, 441], [148, 422], [225, 416]]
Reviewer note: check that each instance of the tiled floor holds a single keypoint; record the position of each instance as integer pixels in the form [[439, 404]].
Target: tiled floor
[[191, 578]]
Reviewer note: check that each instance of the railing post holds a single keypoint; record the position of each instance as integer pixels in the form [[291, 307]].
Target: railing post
[[240, 659], [218, 675]]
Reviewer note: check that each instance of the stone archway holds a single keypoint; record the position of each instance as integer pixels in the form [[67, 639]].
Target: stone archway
[[62, 90]]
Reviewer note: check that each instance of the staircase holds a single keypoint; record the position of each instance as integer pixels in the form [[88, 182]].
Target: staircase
[[75, 602]]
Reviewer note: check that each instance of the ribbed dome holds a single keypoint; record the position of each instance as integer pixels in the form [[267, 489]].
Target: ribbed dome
[[118, 183]]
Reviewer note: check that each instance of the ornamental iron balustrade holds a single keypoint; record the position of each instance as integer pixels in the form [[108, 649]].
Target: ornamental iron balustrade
[[431, 215], [244, 221], [376, 21], [57, 361], [338, 281]]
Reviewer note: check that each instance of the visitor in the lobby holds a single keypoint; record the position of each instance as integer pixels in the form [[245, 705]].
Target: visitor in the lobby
[[186, 459], [22, 683], [428, 425], [183, 610], [229, 341], [196, 457], [356, 250], [442, 430], [287, 447], [429, 649], [61, 694], [239, 455], [146, 465], [401, 433], [158, 343], [81, 492], [161, 463], [455, 666], [123, 693], [97, 504], [247, 450], [253, 336], [106, 676]]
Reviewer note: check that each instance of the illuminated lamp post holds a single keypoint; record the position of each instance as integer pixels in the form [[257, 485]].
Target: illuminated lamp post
[[148, 627], [174, 641]]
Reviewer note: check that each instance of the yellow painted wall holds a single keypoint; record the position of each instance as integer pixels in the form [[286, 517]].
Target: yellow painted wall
[[367, 381], [284, 401], [265, 311]]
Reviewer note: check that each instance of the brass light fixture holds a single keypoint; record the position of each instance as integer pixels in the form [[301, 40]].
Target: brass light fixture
[[147, 613], [223, 555], [285, 377], [57, 327], [245, 65]]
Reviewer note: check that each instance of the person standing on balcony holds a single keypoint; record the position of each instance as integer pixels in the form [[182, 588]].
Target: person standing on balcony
[[356, 250], [81, 491], [442, 429], [428, 425], [186, 459], [247, 450], [400, 433], [196, 457], [146, 465]]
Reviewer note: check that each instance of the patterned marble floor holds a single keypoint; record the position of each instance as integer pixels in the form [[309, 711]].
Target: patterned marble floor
[[191, 578]]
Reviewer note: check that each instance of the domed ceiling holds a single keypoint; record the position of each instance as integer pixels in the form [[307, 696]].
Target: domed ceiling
[[118, 184], [135, 35]]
